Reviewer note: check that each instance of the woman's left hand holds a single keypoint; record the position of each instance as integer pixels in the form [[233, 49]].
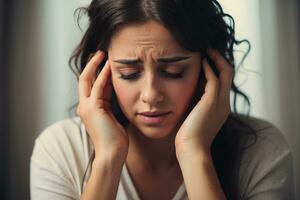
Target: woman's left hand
[[199, 129]]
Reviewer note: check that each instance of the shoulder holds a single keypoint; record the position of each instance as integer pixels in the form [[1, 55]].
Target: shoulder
[[266, 163], [66, 130], [62, 149], [65, 139], [266, 138]]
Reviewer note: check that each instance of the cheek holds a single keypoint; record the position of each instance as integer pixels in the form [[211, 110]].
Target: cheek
[[125, 96], [185, 91]]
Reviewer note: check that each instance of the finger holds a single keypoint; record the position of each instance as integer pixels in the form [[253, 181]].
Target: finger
[[212, 85], [87, 75], [88, 60], [102, 88], [226, 72]]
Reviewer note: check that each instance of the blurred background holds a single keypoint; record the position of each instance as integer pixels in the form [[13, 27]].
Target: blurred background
[[37, 88]]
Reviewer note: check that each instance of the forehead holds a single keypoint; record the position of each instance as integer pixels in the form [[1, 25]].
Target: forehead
[[137, 38]]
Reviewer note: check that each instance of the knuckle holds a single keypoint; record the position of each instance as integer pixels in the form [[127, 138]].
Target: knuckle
[[94, 62]]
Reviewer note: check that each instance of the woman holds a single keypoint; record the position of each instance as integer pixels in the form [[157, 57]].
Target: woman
[[154, 113]]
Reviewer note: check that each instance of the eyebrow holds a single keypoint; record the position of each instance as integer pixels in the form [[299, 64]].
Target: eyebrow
[[159, 60]]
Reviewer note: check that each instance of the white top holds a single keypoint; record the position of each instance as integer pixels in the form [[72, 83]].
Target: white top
[[61, 154]]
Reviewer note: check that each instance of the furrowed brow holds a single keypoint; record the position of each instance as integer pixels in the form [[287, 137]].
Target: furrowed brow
[[159, 60]]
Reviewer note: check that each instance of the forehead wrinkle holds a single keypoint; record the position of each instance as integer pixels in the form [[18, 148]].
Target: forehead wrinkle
[[154, 51], [146, 41], [152, 57]]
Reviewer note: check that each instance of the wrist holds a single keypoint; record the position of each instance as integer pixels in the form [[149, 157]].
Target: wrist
[[195, 159], [109, 158], [190, 152]]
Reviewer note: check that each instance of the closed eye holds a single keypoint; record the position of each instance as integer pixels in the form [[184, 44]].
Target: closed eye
[[129, 76], [134, 76]]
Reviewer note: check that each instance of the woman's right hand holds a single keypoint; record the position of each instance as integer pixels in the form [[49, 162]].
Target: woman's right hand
[[107, 134]]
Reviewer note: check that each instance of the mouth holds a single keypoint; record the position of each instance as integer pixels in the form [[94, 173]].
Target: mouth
[[153, 119], [154, 113]]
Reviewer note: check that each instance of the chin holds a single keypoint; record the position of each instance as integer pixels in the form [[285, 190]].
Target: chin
[[158, 131], [155, 132]]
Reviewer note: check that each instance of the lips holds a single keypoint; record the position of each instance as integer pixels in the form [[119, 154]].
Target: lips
[[154, 114], [153, 118]]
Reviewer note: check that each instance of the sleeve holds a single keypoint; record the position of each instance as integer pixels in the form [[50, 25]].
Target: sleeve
[[268, 168], [47, 181]]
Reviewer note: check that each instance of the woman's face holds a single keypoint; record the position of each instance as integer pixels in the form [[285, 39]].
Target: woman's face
[[152, 72]]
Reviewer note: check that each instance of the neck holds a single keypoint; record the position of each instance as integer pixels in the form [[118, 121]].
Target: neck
[[152, 155]]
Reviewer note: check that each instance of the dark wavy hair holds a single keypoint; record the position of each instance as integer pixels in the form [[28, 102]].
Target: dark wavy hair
[[197, 25]]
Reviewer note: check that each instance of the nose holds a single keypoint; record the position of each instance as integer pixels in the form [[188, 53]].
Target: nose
[[151, 93]]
